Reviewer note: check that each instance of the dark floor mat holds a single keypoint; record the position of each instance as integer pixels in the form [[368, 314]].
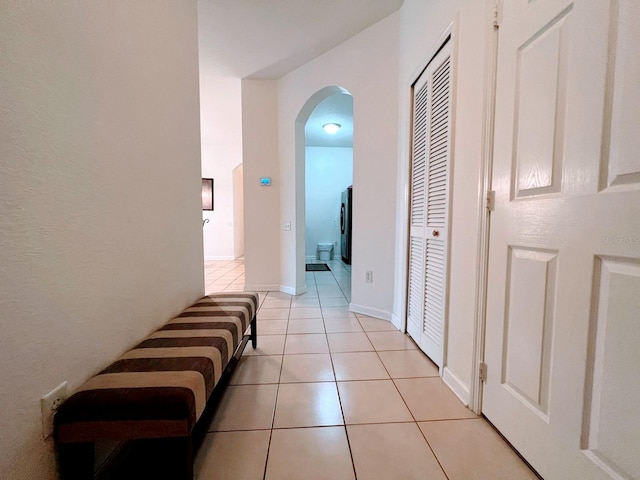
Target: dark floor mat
[[318, 267]]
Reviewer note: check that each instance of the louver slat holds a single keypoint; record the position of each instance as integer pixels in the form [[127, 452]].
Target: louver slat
[[415, 307], [437, 199], [419, 159], [416, 278], [434, 291], [438, 147]]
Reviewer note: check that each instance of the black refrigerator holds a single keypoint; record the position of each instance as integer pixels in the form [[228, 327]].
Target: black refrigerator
[[345, 225]]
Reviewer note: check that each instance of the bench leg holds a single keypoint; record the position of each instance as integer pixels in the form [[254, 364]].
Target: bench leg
[[254, 332], [183, 447], [190, 458], [76, 461], [160, 458]]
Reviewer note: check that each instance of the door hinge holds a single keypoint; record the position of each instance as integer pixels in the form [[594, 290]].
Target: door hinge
[[482, 371], [491, 200], [497, 14]]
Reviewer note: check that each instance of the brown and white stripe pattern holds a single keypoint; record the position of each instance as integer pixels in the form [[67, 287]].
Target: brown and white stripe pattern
[[166, 379]]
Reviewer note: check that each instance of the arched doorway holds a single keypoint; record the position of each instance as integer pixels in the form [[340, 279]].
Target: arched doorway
[[330, 105]]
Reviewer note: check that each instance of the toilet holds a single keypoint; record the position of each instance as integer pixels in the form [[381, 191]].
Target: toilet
[[325, 251]]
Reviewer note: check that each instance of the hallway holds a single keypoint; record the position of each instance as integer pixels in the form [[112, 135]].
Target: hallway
[[330, 394]]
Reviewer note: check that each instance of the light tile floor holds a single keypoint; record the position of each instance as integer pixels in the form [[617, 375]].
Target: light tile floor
[[330, 394]]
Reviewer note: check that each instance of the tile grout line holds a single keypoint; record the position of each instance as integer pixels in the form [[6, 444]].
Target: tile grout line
[[275, 404], [419, 429], [335, 386], [334, 381], [346, 431], [415, 422], [432, 451]]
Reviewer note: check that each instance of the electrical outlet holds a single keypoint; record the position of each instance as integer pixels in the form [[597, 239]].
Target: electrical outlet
[[49, 405], [369, 276]]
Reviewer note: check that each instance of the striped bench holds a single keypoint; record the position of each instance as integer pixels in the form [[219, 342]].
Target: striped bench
[[161, 387]]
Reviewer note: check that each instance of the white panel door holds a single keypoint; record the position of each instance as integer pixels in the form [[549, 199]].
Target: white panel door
[[563, 309], [431, 153]]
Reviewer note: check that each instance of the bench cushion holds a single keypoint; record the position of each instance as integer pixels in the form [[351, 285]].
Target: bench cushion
[[161, 387]]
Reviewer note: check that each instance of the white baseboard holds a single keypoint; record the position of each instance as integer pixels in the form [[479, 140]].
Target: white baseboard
[[268, 287], [455, 384], [371, 312], [293, 290], [397, 321], [314, 258], [221, 257], [264, 287]]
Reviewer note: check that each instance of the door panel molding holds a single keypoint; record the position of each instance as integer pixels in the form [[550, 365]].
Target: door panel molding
[[610, 423], [620, 168], [531, 284]]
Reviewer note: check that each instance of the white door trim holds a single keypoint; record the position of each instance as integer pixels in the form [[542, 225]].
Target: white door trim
[[484, 215]]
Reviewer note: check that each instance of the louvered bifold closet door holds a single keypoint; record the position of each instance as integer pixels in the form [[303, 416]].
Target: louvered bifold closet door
[[438, 164], [430, 164], [415, 307]]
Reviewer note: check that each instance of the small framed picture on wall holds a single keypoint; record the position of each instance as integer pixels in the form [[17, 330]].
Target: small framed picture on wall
[[207, 194]]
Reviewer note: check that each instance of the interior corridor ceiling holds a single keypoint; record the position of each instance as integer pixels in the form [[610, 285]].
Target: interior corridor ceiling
[[269, 38]]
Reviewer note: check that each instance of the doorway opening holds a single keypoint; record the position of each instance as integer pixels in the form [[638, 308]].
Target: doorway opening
[[328, 177], [324, 170]]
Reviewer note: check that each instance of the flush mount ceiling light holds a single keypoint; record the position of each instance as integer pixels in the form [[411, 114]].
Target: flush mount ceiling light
[[331, 128]]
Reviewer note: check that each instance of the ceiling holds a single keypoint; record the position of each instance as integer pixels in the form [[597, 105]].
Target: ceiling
[[338, 109], [269, 38]]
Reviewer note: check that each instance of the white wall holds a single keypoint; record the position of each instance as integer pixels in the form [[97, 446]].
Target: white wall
[[100, 237], [238, 211], [262, 204], [328, 171], [221, 124], [422, 25], [372, 80]]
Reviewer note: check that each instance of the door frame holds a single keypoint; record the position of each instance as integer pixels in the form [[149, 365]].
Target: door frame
[[484, 213], [399, 318]]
